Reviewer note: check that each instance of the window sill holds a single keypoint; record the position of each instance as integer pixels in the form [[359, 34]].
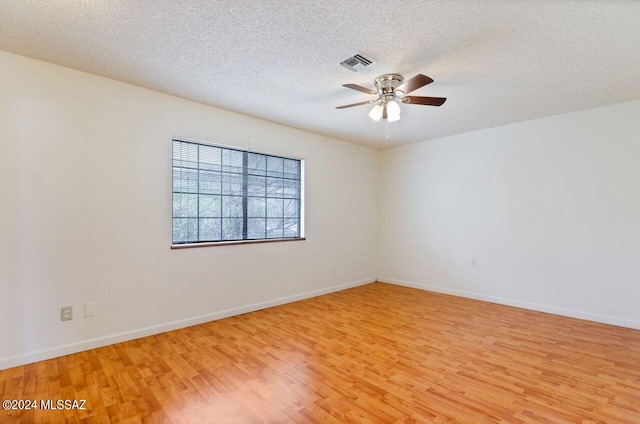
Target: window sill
[[229, 243]]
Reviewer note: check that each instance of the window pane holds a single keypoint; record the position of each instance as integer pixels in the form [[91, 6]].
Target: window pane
[[274, 208], [185, 154], [232, 228], [257, 164], [210, 229], [256, 207], [210, 157], [291, 169], [184, 229], [290, 208], [274, 228], [232, 161], [256, 228], [291, 189], [185, 180], [232, 184], [185, 205], [231, 206], [210, 182], [290, 228], [256, 186], [274, 187], [210, 206], [275, 166]]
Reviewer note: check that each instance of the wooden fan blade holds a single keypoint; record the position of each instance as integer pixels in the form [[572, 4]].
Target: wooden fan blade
[[355, 104], [360, 88], [429, 101], [414, 83]]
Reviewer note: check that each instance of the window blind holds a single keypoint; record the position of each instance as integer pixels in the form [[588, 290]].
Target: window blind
[[227, 194]]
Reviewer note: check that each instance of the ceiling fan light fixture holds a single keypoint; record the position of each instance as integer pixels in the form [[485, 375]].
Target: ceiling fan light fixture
[[376, 112], [393, 111]]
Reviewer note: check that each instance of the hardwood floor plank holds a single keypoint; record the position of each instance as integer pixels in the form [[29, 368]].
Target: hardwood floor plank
[[373, 354]]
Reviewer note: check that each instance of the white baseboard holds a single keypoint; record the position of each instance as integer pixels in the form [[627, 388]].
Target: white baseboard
[[605, 319], [54, 352]]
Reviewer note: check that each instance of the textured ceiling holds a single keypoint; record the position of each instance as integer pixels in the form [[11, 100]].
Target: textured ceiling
[[497, 62]]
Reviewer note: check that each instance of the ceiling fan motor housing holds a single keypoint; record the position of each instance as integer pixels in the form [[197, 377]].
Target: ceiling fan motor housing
[[386, 84]]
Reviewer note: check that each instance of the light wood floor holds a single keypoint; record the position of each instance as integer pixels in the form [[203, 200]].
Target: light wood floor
[[374, 354]]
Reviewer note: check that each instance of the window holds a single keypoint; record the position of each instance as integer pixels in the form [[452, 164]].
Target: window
[[223, 194]]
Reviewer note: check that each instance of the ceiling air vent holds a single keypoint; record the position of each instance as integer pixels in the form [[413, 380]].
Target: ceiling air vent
[[356, 62]]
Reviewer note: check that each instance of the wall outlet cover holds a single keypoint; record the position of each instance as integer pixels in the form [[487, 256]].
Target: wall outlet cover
[[66, 313]]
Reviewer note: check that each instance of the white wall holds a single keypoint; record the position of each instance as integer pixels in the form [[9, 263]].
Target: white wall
[[85, 216], [549, 208]]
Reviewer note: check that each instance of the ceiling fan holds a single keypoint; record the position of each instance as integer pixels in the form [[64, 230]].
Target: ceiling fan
[[392, 87]]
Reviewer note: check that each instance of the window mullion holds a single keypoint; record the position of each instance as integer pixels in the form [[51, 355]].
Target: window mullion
[[266, 195], [245, 193]]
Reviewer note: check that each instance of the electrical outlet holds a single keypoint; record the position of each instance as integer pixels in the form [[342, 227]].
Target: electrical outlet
[[66, 313], [89, 310], [474, 262]]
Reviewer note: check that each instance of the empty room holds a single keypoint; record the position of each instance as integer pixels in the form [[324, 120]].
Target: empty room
[[320, 212]]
